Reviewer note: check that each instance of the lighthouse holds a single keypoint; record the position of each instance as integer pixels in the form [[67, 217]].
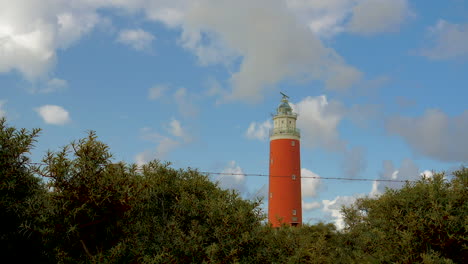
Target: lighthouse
[[285, 199]]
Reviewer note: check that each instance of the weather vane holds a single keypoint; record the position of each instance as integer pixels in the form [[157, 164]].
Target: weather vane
[[284, 96]]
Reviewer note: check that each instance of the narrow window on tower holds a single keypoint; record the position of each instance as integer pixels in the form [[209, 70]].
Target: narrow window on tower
[[271, 195], [271, 161], [293, 143], [293, 177], [294, 212]]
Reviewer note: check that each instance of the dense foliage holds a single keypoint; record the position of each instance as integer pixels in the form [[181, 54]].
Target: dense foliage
[[422, 221], [91, 210], [19, 191]]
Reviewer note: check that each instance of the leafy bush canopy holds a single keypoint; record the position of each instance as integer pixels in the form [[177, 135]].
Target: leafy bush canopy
[[424, 220], [93, 210]]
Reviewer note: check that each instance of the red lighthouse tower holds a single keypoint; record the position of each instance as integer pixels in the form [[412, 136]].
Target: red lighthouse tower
[[285, 199]]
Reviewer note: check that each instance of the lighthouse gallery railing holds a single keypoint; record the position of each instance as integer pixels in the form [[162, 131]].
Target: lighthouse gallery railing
[[285, 131]]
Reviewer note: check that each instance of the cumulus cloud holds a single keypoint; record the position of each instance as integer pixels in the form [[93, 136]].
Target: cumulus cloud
[[53, 114], [260, 131], [233, 178], [261, 42], [310, 185], [375, 16], [156, 92], [354, 161], [448, 41], [309, 206], [143, 157], [434, 134], [325, 18], [271, 44], [138, 39], [176, 130], [318, 121], [333, 208], [176, 136], [265, 36], [32, 31], [408, 171], [427, 174], [328, 18], [171, 16]]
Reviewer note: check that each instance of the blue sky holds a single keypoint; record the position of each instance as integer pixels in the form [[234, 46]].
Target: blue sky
[[380, 86]]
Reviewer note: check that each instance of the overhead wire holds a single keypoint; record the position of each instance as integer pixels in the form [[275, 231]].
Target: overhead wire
[[286, 176], [302, 177]]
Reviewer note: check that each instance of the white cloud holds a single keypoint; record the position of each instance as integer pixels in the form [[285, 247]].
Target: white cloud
[[308, 206], [260, 131], [333, 208], [318, 120], [328, 18], [143, 157], [427, 174], [375, 16], [375, 189], [325, 18], [449, 41], [234, 178], [170, 16], [434, 134], [309, 186], [274, 40], [177, 137], [156, 92], [31, 31], [408, 171], [138, 39], [256, 33], [53, 114], [271, 43], [2, 110], [176, 130]]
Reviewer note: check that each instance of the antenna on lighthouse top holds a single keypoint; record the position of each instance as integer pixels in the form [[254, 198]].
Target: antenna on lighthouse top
[[284, 96]]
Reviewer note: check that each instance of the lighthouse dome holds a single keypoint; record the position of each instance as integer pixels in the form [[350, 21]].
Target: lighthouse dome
[[284, 108]]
